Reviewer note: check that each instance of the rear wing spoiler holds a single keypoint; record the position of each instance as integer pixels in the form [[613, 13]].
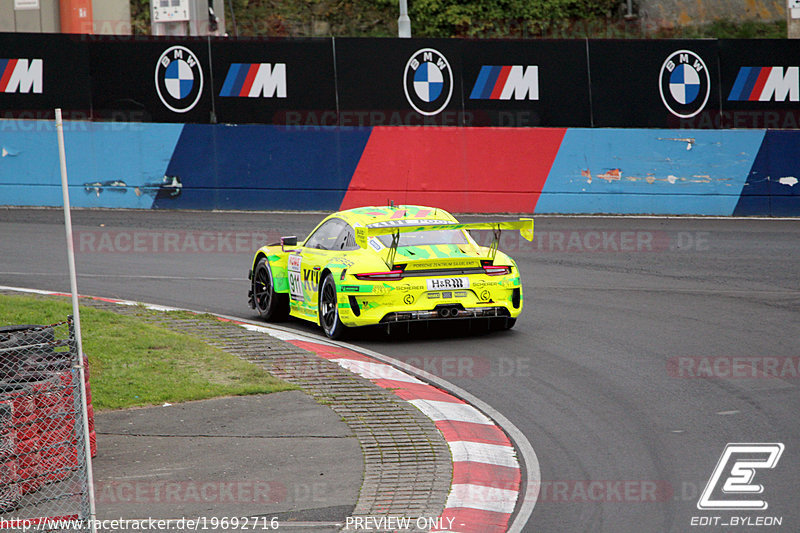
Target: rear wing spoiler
[[524, 225]]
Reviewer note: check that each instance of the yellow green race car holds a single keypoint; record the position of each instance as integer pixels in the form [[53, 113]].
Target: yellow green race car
[[389, 265]]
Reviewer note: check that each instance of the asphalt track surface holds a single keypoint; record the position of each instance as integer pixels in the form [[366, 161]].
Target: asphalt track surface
[[600, 372]]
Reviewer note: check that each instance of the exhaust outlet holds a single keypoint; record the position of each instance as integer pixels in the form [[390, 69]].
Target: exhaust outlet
[[446, 312]]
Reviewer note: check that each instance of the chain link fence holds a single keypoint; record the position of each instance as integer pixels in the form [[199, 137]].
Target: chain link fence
[[43, 464]]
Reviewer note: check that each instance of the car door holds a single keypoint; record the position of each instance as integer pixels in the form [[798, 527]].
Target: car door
[[305, 267]]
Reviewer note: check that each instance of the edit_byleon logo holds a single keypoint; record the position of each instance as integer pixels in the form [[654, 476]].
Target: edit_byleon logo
[[731, 485], [684, 83], [179, 79], [428, 81]]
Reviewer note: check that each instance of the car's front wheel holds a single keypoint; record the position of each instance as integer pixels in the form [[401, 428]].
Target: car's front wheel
[[329, 309], [271, 305]]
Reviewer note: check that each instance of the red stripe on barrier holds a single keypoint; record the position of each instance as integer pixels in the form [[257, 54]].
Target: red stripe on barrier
[[500, 84], [470, 431], [498, 477], [12, 64], [248, 82], [478, 170], [755, 94]]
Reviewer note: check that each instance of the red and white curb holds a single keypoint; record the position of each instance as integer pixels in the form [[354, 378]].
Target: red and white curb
[[486, 471]]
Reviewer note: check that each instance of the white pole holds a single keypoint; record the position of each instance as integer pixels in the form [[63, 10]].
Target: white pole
[[73, 282], [403, 22], [793, 19]]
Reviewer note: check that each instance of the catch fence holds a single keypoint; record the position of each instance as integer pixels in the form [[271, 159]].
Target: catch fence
[[44, 468]]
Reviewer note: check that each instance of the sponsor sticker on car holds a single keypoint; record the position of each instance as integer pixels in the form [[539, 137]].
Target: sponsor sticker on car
[[295, 282], [437, 284]]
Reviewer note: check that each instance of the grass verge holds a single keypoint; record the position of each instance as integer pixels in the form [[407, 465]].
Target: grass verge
[[136, 363]]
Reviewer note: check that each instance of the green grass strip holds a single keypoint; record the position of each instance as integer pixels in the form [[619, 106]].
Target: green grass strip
[[135, 363]]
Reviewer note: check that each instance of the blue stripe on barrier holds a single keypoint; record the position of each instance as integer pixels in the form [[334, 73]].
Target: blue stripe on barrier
[[489, 87], [110, 164], [241, 77], [772, 186], [649, 171], [480, 83], [752, 78], [256, 167], [230, 80], [738, 85]]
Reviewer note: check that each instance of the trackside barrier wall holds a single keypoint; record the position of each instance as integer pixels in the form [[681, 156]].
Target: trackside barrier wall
[[520, 170], [578, 126]]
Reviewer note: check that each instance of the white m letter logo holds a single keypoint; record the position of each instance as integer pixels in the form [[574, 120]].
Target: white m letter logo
[[270, 81], [522, 82], [781, 85], [744, 460], [26, 76]]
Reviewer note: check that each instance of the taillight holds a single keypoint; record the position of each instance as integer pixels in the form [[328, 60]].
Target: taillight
[[381, 276], [495, 270]]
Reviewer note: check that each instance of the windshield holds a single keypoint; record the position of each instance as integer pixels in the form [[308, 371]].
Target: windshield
[[419, 238]]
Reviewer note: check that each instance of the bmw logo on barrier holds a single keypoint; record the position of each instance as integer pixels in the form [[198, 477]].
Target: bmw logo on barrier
[[428, 81], [684, 83], [179, 79]]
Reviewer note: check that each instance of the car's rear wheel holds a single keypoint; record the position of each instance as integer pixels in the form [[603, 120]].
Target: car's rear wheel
[[329, 309], [271, 305]]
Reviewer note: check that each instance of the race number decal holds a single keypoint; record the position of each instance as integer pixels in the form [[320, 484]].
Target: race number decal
[[295, 281]]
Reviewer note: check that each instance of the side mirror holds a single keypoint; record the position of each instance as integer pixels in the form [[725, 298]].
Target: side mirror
[[288, 241]]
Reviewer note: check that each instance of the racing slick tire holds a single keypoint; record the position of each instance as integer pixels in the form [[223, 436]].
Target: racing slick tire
[[329, 309], [271, 306]]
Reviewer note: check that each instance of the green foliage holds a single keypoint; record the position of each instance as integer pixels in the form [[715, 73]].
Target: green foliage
[[501, 18], [314, 18], [564, 19], [140, 17], [728, 29]]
